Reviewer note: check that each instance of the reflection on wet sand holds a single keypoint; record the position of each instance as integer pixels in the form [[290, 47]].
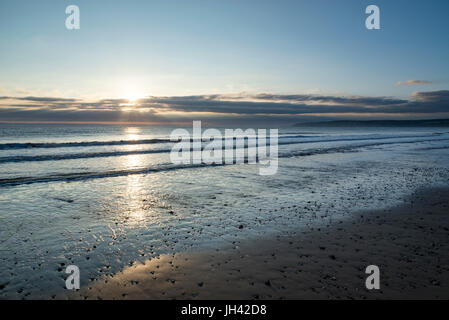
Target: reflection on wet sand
[[326, 263]]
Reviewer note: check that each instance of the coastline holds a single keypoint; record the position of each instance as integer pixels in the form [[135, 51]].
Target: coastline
[[409, 243]]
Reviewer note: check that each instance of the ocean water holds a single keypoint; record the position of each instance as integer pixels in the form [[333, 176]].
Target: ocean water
[[103, 197]]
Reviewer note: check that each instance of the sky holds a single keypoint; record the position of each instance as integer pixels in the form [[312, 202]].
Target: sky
[[168, 61]]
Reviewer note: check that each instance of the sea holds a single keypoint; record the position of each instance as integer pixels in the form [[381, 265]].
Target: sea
[[103, 197]]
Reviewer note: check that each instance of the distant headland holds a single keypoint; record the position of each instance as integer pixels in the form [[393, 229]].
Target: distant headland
[[377, 123]]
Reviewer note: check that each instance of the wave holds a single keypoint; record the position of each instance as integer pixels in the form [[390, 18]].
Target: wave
[[76, 176], [36, 145], [70, 156], [86, 175], [27, 145], [284, 140], [49, 145]]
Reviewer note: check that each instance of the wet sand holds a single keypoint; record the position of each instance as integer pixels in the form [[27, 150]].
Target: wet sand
[[409, 243]]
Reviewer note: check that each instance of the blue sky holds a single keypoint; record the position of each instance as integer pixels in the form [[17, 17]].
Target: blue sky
[[132, 49]]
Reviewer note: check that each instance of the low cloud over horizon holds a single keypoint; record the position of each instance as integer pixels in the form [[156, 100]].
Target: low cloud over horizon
[[224, 108]]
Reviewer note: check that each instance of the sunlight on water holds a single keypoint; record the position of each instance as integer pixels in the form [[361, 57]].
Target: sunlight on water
[[135, 214], [132, 161], [132, 133]]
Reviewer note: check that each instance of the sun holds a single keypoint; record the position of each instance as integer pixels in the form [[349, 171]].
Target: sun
[[133, 96], [131, 89]]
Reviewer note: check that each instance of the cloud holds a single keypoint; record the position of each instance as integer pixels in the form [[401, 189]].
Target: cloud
[[413, 82], [39, 99], [440, 96], [221, 108]]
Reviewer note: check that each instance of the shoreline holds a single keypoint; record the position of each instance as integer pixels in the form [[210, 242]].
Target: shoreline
[[409, 243]]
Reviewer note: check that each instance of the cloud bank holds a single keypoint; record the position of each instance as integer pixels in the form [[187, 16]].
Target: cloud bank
[[223, 108]]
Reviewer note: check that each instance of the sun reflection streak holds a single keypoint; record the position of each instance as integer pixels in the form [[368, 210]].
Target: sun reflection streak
[[135, 214], [139, 206], [132, 133]]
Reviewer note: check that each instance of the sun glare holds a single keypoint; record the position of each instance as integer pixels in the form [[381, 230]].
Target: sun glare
[[131, 89], [132, 97]]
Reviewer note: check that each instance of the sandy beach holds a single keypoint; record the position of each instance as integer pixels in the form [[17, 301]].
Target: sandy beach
[[409, 243], [223, 231]]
